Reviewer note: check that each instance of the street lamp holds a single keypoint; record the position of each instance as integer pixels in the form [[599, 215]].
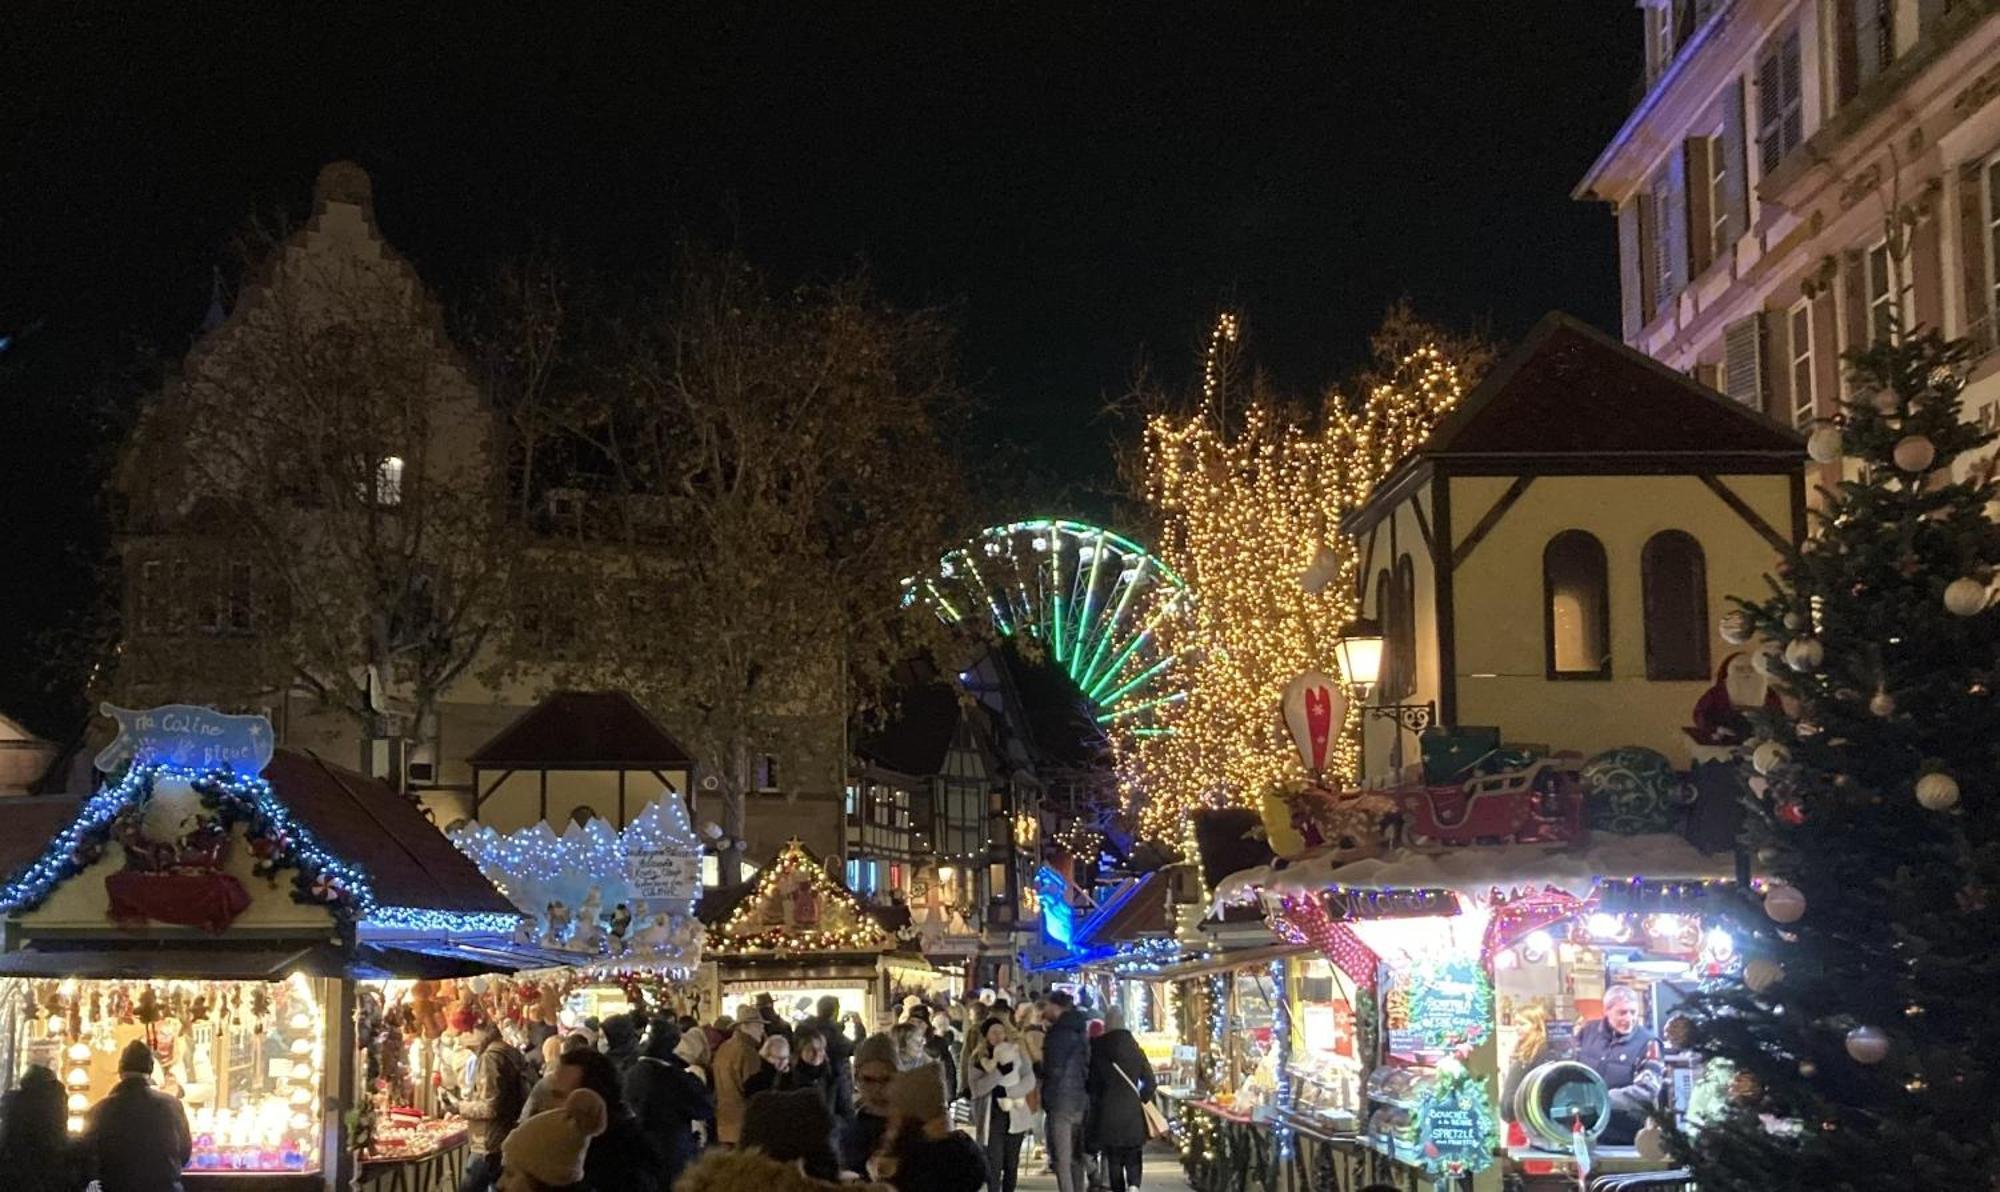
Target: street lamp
[[1359, 649]]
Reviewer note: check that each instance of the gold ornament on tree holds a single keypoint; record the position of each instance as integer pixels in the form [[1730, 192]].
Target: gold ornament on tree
[[1965, 597], [1937, 792]]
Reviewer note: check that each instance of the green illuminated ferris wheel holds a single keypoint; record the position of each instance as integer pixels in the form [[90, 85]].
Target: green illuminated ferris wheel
[[1092, 599]]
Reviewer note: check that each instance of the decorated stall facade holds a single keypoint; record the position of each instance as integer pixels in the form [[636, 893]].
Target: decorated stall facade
[[223, 903]]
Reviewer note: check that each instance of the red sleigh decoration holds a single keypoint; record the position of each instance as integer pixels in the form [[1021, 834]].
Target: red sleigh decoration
[[1539, 804], [182, 884]]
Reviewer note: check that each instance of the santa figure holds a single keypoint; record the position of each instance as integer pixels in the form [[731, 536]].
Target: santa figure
[[1722, 714]]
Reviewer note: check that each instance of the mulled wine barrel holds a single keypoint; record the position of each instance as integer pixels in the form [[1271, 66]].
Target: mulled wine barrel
[[1554, 1095]]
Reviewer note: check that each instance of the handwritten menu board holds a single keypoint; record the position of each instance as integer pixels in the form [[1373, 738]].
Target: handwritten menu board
[[1456, 1134]]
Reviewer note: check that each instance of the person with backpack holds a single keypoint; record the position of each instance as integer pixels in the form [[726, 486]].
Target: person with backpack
[[493, 1103], [670, 1097]]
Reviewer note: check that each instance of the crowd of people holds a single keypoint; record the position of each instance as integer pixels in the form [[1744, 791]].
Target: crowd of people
[[749, 1103]]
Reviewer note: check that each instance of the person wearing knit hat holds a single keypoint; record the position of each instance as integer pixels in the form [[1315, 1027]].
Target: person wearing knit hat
[[138, 1134], [922, 1153], [874, 1070], [670, 1094], [546, 1152]]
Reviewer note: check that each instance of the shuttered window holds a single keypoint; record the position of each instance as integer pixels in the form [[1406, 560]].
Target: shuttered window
[[1992, 315], [1780, 102], [1743, 361], [1800, 347]]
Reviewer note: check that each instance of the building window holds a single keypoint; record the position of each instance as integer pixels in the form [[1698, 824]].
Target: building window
[[1577, 607], [1717, 157], [1780, 104], [389, 481], [242, 597], [1992, 250], [582, 814], [766, 776], [1891, 294], [1673, 578], [1874, 47], [1399, 631], [1800, 325], [152, 596]]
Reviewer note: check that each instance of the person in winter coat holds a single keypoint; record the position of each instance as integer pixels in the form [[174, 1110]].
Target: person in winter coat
[[1033, 1028], [670, 1098], [621, 1043], [1120, 1080], [547, 1152], [1065, 1088], [35, 1151], [776, 1071], [812, 1067], [754, 1171], [774, 1022], [937, 1049], [542, 1097], [491, 1105], [875, 1068], [622, 1158], [137, 1135], [839, 1054], [1002, 1119], [736, 1061], [793, 1127], [921, 1152]]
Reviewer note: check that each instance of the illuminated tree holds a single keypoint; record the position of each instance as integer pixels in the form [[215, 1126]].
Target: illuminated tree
[[1249, 492]]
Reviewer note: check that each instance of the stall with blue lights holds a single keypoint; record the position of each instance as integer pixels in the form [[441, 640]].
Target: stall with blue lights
[[225, 903]]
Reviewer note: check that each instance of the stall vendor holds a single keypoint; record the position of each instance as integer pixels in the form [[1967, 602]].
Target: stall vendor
[[1619, 1048]]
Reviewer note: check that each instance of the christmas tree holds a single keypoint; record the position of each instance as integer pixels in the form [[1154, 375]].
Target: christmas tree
[[1864, 1040]]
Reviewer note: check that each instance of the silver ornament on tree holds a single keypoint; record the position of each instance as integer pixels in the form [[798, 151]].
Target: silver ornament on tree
[[1965, 597], [1762, 973], [1804, 654], [1913, 453], [1867, 1045], [1784, 904], [1650, 1143], [1937, 792], [1824, 445], [1882, 704], [1769, 756], [1736, 627]]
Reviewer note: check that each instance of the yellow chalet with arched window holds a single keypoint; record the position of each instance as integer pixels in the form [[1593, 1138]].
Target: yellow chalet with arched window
[[1554, 560]]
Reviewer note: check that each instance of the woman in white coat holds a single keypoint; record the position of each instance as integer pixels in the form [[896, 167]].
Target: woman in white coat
[[1002, 1084]]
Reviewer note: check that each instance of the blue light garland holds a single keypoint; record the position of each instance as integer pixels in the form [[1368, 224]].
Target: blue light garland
[[276, 838]]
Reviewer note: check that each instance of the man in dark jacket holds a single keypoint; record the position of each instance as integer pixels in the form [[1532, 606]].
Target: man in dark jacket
[[1121, 1079], [138, 1135], [839, 1054], [1065, 1089], [774, 1022], [622, 1159], [668, 1100], [493, 1104], [621, 1043], [1619, 1048]]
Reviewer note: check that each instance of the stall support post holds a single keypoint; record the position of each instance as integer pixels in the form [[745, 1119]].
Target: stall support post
[[1281, 1031], [345, 1075]]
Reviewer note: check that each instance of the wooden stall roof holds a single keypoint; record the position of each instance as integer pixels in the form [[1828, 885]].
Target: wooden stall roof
[[583, 730], [27, 824]]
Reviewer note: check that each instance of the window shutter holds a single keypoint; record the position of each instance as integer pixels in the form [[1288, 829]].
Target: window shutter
[[1854, 298], [1631, 272], [1735, 183], [1695, 167], [1676, 272], [1743, 360], [1770, 102], [1778, 366], [1648, 258], [1974, 264], [1846, 51]]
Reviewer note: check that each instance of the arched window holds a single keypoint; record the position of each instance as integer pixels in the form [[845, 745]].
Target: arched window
[[1576, 607], [1673, 578], [582, 814]]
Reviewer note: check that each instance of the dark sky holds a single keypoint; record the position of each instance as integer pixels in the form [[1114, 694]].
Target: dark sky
[[1082, 184]]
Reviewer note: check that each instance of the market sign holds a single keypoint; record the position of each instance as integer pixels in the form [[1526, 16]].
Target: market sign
[[188, 738], [662, 873], [1451, 1003], [1456, 1133]]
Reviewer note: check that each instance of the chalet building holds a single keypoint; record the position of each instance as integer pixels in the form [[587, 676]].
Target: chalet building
[[1752, 183], [1553, 561]]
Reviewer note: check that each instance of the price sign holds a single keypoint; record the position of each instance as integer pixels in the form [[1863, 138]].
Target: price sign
[[1451, 1003], [1456, 1133]]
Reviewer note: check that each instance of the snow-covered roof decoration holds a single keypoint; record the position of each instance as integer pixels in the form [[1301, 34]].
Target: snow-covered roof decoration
[[1475, 870]]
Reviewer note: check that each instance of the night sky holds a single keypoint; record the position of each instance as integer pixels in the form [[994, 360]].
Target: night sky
[[1081, 185]]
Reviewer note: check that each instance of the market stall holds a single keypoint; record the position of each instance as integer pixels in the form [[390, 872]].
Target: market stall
[[797, 933], [224, 905]]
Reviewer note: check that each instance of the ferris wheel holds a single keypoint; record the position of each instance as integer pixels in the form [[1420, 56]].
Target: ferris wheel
[[1092, 599]]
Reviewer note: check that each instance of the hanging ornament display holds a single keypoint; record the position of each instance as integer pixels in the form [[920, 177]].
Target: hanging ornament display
[[1315, 710], [1804, 654], [1784, 904], [1913, 453], [1867, 1045], [1769, 756], [1762, 973], [1937, 792], [1824, 444], [1882, 704], [1736, 627], [1965, 597]]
